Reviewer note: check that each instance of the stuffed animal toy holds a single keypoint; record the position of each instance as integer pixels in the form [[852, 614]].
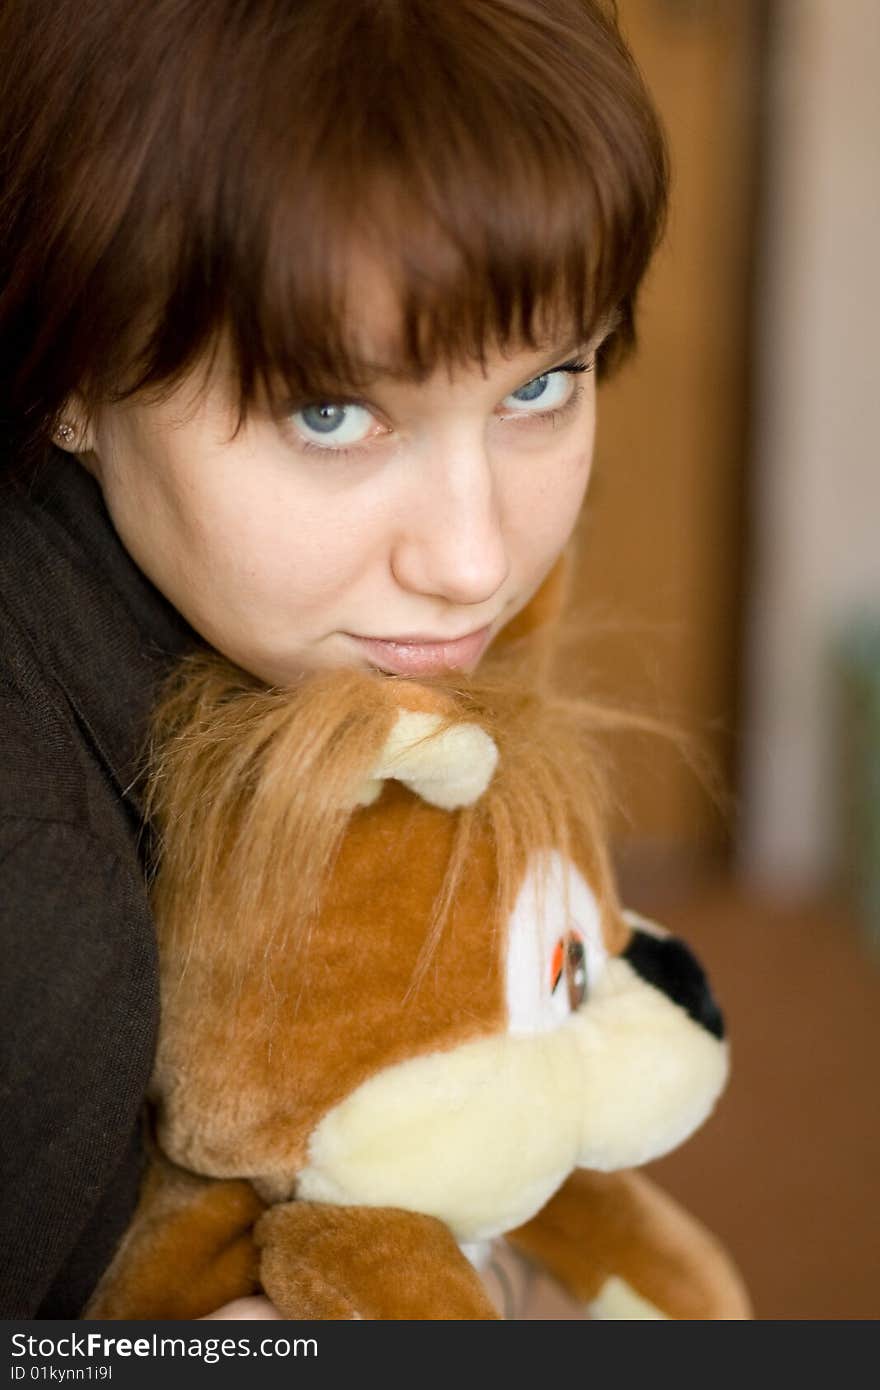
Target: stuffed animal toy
[[403, 1014]]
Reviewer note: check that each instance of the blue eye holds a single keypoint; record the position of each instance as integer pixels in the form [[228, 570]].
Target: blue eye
[[549, 389], [535, 389], [342, 423], [324, 418]]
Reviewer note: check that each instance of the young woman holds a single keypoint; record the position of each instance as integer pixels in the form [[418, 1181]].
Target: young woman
[[302, 307]]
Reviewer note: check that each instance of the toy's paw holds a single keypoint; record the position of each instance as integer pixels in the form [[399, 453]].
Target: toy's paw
[[188, 1250], [302, 1290], [376, 1263]]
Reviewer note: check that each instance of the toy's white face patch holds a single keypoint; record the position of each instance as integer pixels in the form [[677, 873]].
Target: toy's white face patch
[[555, 951]]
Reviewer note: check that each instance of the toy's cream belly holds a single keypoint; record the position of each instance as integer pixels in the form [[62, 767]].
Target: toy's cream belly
[[482, 1136]]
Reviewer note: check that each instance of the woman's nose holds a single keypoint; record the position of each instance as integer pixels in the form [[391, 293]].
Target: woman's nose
[[451, 543]]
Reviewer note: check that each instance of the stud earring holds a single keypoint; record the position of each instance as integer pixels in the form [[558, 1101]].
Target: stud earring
[[66, 433]]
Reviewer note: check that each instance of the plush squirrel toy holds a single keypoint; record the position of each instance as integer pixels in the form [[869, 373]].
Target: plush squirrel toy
[[403, 1013]]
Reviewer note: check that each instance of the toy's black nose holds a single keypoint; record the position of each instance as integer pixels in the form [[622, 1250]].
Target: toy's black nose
[[666, 963]]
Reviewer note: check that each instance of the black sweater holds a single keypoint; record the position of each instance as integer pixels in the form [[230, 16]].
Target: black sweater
[[84, 639]]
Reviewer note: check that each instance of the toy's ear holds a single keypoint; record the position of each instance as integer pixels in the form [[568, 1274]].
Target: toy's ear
[[449, 769]]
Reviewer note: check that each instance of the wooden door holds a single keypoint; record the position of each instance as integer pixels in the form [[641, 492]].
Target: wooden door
[[660, 548]]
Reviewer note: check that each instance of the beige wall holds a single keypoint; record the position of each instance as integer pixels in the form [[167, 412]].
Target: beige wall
[[817, 483]]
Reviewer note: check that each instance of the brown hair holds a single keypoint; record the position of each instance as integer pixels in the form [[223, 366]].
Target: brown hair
[[178, 174]]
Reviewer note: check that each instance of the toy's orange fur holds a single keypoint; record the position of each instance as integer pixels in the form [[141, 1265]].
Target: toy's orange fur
[[309, 943]]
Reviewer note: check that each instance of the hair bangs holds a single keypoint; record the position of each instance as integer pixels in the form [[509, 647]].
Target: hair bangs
[[508, 186]]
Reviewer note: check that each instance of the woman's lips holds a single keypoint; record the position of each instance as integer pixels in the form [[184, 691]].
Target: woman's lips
[[408, 657]]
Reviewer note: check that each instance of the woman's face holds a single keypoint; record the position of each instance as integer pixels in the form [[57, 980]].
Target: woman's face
[[421, 514]]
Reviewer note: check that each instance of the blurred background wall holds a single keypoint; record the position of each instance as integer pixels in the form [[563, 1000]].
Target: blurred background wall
[[661, 559], [730, 541], [816, 459]]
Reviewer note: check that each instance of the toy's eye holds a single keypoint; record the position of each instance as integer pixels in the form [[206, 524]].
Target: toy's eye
[[569, 962], [555, 948]]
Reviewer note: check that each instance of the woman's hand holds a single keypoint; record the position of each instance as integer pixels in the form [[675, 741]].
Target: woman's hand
[[245, 1308]]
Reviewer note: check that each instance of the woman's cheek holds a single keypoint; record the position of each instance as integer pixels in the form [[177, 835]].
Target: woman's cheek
[[548, 511]]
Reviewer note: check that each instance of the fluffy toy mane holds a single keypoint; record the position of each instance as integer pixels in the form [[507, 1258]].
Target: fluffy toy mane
[[265, 782]]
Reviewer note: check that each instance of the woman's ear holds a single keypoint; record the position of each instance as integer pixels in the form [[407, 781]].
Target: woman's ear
[[74, 430]]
